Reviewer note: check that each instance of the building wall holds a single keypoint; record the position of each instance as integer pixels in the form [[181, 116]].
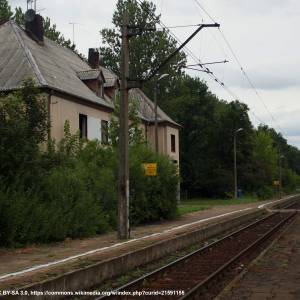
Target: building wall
[[172, 131], [62, 110], [164, 140]]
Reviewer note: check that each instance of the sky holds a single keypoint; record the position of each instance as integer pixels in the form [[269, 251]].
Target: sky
[[262, 34]]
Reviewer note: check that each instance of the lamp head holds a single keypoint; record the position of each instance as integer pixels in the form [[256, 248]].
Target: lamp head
[[163, 76]]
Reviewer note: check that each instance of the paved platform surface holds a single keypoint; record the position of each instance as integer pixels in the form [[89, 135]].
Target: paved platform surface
[[105, 246], [276, 275]]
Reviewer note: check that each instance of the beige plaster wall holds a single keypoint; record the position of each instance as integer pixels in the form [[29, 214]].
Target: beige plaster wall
[[164, 140], [175, 131], [151, 138], [62, 110]]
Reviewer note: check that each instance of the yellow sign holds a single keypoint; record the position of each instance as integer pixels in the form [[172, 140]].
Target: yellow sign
[[150, 169], [276, 182]]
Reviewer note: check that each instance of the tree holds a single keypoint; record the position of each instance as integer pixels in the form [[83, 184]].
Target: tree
[[206, 139], [23, 127], [135, 133], [53, 34], [265, 158], [148, 50], [5, 11], [19, 16]]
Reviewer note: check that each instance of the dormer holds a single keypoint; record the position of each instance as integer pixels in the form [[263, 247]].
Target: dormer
[[111, 84], [94, 77]]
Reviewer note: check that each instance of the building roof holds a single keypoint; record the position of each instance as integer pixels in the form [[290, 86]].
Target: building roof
[[145, 105], [53, 66], [89, 74], [49, 65], [111, 79], [146, 108]]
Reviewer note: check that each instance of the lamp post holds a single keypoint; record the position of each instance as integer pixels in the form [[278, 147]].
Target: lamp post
[[280, 175], [155, 109], [234, 159]]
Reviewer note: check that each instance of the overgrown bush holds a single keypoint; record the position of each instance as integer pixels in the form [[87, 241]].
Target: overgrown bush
[[50, 191], [152, 198]]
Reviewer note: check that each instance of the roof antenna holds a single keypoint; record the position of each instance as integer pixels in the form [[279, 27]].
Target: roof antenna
[[73, 25]]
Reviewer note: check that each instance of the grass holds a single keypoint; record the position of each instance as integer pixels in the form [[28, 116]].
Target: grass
[[193, 205]]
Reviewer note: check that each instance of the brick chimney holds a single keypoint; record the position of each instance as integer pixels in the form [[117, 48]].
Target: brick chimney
[[35, 28], [94, 58]]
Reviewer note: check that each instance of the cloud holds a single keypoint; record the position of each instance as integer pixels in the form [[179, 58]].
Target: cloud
[[263, 34], [264, 79]]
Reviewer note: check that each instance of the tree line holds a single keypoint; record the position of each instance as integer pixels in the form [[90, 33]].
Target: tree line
[[209, 123]]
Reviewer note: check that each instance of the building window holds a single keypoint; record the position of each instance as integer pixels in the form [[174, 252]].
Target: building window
[[104, 132], [173, 143], [83, 126]]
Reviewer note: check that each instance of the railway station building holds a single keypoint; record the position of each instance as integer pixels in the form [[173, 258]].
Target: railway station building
[[78, 91]]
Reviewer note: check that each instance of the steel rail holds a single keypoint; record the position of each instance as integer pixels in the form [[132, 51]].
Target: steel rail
[[161, 270], [294, 205], [194, 292]]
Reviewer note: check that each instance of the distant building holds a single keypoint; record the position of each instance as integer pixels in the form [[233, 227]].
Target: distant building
[[76, 91]]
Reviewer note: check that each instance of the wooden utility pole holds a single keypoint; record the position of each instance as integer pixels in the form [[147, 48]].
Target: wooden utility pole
[[123, 188], [123, 184]]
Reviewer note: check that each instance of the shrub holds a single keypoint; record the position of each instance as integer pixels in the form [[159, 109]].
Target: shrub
[[265, 192], [152, 198], [69, 189]]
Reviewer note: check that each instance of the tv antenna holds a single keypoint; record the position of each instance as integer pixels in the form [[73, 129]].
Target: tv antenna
[[73, 25]]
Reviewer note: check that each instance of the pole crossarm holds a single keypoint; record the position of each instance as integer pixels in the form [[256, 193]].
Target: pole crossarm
[[201, 26], [209, 63], [194, 69]]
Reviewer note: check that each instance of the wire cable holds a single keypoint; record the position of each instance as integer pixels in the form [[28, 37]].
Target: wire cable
[[242, 69], [199, 62]]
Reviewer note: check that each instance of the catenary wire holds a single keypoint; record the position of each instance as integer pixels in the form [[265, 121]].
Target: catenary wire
[[242, 69], [198, 61]]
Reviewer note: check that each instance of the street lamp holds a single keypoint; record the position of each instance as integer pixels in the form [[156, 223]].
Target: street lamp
[[155, 109], [280, 175], [234, 159]]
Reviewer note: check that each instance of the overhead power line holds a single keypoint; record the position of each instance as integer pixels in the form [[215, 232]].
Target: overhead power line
[[196, 59], [183, 26], [199, 62], [242, 69], [204, 10], [249, 80]]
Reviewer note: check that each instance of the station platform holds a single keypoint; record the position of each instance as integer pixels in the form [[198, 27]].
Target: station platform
[[22, 267]]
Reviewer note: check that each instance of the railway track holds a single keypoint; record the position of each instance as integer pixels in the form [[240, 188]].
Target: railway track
[[295, 205], [197, 275]]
